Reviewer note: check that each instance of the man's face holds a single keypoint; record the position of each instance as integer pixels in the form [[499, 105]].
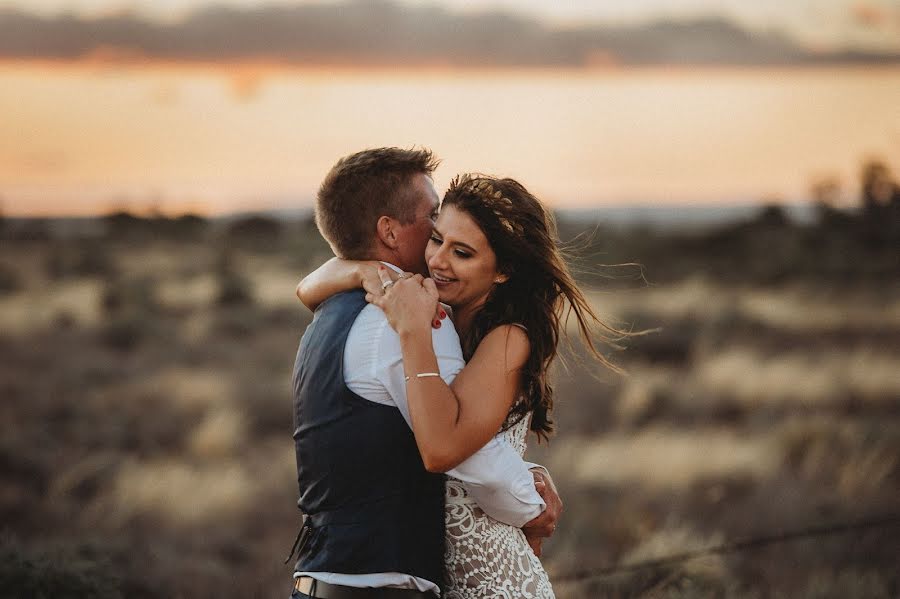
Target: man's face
[[413, 237]]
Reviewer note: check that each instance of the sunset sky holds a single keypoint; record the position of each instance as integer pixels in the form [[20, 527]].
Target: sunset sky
[[827, 23], [78, 136]]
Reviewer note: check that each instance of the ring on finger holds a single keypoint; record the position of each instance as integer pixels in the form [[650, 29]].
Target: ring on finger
[[386, 285]]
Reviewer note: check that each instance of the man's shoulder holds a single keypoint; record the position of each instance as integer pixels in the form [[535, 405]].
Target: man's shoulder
[[370, 326], [350, 299]]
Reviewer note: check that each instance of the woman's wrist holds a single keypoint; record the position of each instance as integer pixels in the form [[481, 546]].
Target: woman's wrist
[[414, 332]]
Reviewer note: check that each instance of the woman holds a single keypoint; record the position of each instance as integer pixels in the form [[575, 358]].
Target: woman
[[493, 259]]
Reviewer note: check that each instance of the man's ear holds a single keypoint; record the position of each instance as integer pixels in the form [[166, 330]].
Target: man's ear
[[386, 228]]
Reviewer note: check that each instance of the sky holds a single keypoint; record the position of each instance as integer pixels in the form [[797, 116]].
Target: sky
[[83, 136], [868, 24]]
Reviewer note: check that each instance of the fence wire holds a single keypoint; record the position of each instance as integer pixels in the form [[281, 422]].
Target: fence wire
[[732, 547]]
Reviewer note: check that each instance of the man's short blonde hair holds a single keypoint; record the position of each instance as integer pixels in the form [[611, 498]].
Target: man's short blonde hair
[[361, 188]]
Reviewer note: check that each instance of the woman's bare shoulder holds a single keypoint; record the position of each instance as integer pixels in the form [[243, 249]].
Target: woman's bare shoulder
[[508, 342]]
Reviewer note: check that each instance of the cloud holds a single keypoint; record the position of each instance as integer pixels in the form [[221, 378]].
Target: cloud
[[377, 32], [870, 15]]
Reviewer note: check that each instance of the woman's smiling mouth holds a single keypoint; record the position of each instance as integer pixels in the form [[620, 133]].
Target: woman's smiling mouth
[[440, 280]]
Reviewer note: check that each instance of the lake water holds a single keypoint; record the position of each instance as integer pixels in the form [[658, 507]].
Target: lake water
[[77, 139]]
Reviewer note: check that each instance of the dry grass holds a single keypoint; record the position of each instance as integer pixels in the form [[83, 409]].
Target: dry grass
[[664, 458], [797, 308], [195, 292], [807, 377], [41, 307], [751, 413], [676, 540], [222, 433], [177, 386], [184, 494]]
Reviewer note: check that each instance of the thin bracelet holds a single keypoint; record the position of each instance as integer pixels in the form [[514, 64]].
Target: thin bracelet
[[422, 375]]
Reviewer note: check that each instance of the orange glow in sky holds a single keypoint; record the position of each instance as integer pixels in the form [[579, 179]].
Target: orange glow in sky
[[86, 137]]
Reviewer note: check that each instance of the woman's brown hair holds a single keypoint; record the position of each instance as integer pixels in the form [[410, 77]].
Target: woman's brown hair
[[523, 235]]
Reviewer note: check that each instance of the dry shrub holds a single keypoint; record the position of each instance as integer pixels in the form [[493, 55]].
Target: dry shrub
[[74, 260], [80, 571], [855, 459], [192, 387], [847, 584], [84, 479], [804, 309], [803, 377], [676, 540], [648, 395], [10, 280], [222, 433], [36, 309], [795, 308], [182, 493], [195, 292], [664, 458], [707, 577]]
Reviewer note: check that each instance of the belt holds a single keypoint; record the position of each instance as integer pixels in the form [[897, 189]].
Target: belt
[[317, 588]]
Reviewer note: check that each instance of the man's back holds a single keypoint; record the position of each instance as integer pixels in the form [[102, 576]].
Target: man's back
[[371, 504]]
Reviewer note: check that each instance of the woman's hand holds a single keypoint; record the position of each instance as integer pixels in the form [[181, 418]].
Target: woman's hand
[[410, 303], [373, 275]]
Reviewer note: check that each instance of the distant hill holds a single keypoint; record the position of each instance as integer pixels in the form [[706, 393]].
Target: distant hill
[[681, 217], [657, 217], [377, 32]]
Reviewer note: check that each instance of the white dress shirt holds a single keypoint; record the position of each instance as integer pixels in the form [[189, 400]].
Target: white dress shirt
[[495, 476]]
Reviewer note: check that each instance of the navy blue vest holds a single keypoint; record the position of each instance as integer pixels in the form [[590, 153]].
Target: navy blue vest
[[371, 506]]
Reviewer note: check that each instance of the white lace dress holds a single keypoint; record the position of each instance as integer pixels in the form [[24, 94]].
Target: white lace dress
[[485, 557]]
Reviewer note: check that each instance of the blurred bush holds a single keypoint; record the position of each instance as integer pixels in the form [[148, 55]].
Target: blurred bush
[[10, 280], [82, 258], [78, 572]]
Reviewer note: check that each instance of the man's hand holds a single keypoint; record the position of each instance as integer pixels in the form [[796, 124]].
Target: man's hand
[[544, 525]]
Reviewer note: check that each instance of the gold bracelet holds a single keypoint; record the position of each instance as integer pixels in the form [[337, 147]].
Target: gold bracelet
[[422, 375]]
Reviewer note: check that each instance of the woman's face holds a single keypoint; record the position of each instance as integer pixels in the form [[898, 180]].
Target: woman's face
[[460, 260]]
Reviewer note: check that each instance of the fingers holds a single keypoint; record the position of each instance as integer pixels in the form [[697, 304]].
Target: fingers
[[385, 277], [542, 526], [439, 315], [378, 300], [372, 278], [431, 288], [535, 544]]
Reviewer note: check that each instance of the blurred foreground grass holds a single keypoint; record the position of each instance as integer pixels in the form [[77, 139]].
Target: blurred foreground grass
[[146, 411]]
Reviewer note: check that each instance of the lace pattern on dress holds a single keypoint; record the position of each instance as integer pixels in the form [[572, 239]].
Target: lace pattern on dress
[[487, 558]]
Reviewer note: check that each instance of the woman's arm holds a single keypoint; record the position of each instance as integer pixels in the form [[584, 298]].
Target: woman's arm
[[338, 275], [452, 422]]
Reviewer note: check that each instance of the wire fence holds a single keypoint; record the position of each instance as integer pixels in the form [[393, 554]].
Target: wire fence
[[731, 547]]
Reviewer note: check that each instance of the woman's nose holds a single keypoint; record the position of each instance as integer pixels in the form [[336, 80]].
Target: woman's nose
[[437, 259]]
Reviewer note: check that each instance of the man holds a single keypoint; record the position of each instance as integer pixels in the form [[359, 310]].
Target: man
[[374, 514]]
